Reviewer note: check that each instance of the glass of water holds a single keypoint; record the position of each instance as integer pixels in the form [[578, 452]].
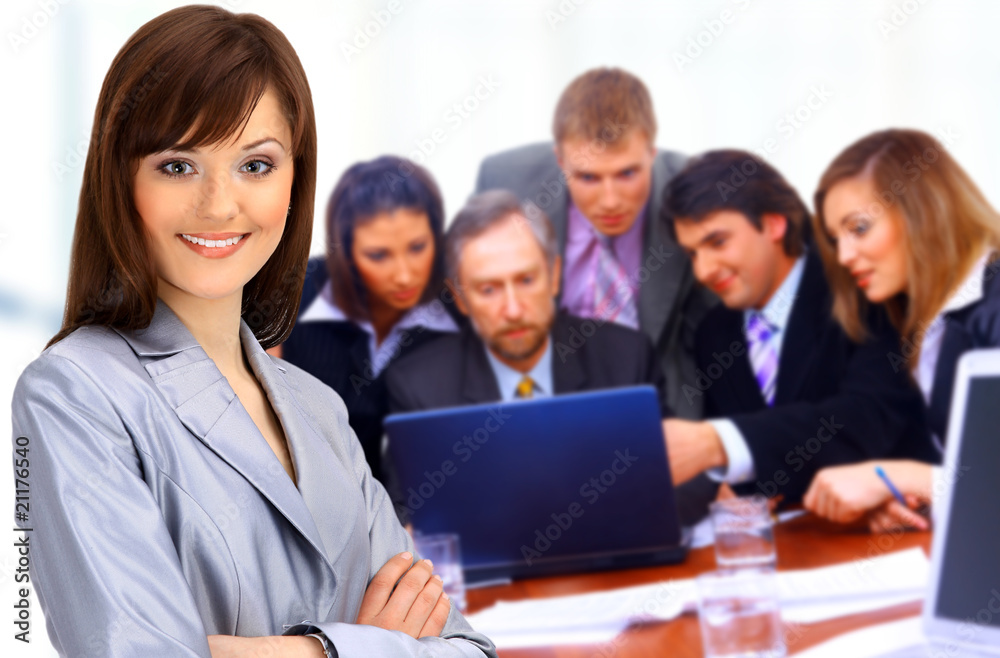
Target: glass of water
[[444, 551], [744, 533], [739, 615]]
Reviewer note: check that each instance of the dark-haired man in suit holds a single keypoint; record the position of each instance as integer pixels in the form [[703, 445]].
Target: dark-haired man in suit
[[786, 391]]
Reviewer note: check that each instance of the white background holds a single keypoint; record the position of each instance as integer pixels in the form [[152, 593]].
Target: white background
[[931, 65]]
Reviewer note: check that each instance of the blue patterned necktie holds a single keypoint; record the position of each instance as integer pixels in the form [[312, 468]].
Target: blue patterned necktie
[[613, 298], [763, 356]]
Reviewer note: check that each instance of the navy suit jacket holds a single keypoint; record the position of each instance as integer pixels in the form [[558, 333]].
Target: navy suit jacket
[[836, 401], [974, 326]]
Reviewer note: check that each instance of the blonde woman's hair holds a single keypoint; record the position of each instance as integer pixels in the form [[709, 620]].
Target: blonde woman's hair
[[947, 223]]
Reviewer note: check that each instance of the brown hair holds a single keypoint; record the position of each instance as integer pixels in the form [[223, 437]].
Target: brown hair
[[604, 105], [365, 190], [947, 223], [200, 69]]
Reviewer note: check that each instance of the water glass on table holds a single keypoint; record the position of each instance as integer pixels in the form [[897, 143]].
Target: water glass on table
[[744, 533], [739, 615], [444, 551]]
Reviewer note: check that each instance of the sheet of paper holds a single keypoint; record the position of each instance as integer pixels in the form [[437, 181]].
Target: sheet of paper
[[807, 596], [870, 642]]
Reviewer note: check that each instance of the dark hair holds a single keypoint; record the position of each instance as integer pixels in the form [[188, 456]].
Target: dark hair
[[603, 104], [200, 69], [739, 181], [486, 210], [368, 189]]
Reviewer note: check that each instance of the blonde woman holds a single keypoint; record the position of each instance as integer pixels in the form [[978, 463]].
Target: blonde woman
[[900, 223]]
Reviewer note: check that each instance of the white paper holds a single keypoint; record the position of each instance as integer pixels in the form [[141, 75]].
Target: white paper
[[870, 642], [807, 596]]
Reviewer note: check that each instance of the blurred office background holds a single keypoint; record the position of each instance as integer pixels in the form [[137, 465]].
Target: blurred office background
[[447, 82]]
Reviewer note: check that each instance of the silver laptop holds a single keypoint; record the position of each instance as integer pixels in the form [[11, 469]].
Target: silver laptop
[[961, 615]]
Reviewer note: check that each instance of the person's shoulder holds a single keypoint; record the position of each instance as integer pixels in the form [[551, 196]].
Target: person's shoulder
[[521, 155], [669, 162], [604, 336], [91, 363], [433, 353]]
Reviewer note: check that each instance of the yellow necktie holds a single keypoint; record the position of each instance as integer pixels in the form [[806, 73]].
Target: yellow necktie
[[526, 388]]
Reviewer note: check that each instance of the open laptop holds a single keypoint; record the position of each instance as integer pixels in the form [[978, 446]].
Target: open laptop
[[534, 487], [961, 615]]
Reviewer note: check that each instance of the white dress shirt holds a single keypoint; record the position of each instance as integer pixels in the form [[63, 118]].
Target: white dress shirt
[[508, 378]]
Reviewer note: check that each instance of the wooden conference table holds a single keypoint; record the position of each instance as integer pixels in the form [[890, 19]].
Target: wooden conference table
[[804, 542]]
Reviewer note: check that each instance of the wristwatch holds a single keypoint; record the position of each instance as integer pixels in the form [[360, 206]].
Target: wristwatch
[[328, 649]]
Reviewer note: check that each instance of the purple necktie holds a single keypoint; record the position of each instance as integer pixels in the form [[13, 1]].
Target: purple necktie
[[613, 298], [763, 356]]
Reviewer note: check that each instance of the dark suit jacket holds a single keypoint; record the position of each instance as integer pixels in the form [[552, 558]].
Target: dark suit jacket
[[670, 305], [836, 401], [453, 369], [975, 326], [337, 354]]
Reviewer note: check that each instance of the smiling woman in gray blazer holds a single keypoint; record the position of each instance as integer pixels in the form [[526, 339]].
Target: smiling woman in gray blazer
[[191, 495]]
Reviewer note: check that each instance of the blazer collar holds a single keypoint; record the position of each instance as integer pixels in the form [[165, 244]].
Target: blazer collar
[[479, 385], [207, 405], [810, 312]]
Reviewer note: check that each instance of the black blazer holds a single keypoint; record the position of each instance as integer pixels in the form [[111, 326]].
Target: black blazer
[[836, 401], [974, 326], [453, 369], [337, 354]]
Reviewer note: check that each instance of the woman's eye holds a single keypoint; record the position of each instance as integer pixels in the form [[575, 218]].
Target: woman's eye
[[177, 168], [257, 168], [418, 247], [861, 228], [376, 256]]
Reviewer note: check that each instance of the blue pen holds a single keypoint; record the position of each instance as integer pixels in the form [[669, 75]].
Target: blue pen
[[895, 492]]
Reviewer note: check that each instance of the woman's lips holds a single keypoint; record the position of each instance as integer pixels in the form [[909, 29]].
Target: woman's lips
[[214, 245]]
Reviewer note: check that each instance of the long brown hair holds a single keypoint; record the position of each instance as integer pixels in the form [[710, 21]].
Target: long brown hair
[[947, 223], [202, 70]]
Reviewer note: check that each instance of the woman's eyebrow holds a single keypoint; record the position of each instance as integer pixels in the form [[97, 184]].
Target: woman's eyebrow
[[259, 142]]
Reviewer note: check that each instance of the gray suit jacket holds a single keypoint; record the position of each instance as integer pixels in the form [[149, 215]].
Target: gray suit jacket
[[160, 515], [670, 304]]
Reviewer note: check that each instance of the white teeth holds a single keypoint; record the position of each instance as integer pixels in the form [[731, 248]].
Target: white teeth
[[212, 243]]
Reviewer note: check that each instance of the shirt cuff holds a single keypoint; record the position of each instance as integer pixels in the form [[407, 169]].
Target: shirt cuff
[[741, 467]]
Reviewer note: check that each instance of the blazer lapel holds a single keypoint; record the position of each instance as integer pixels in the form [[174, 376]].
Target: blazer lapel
[[323, 480], [479, 384], [740, 380], [955, 341], [658, 294], [206, 404], [810, 311], [568, 374]]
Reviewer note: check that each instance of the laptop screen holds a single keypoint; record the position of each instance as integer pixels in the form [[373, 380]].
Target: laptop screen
[[969, 580]]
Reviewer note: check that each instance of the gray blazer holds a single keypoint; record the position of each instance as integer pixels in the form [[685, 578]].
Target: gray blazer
[[670, 304], [160, 515]]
